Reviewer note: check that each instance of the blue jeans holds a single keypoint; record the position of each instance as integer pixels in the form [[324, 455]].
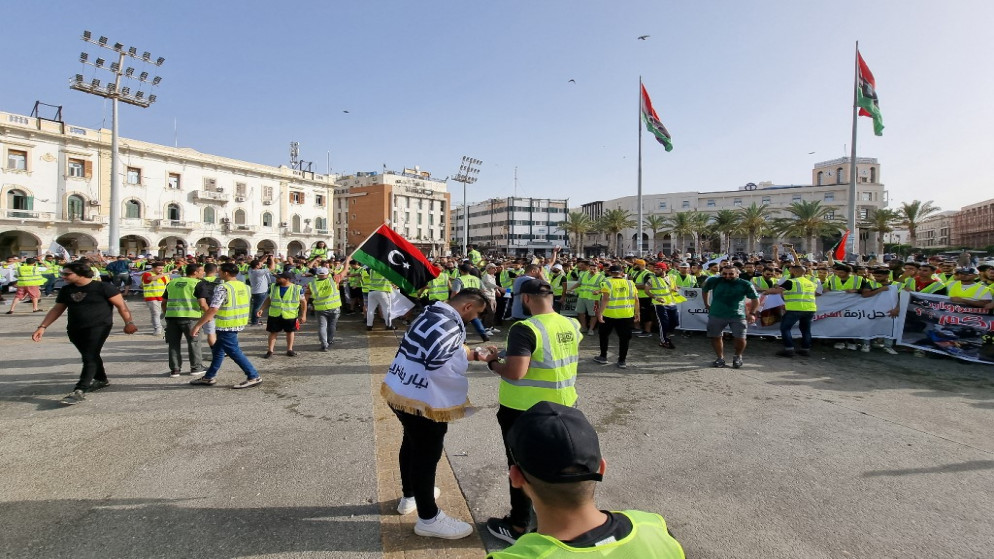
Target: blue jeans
[[327, 324], [49, 286], [227, 344], [254, 305], [802, 319]]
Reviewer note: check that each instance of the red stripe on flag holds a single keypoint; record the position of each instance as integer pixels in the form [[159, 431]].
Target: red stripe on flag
[[407, 247]]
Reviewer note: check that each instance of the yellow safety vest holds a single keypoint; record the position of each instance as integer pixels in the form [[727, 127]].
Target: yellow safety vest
[[29, 276], [364, 280], [96, 276], [590, 284], [557, 284], [324, 295], [469, 280], [377, 282], [649, 539], [663, 293], [287, 305], [155, 288], [689, 281], [622, 301], [181, 302], [835, 284], [640, 280], [957, 289], [438, 288], [801, 296], [551, 374], [355, 277], [235, 310]]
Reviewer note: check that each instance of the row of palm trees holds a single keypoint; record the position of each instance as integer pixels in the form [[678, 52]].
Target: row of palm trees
[[807, 220]]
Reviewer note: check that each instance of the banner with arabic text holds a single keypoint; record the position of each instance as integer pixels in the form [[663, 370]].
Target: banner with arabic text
[[933, 323]]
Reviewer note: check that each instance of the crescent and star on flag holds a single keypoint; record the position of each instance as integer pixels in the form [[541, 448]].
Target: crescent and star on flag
[[403, 261]]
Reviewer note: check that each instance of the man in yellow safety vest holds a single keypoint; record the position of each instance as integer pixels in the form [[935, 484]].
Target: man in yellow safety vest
[[287, 308]]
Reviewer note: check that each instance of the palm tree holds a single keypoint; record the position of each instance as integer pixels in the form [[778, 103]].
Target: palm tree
[[912, 215], [754, 220], [701, 228], [679, 225], [613, 222], [576, 224], [808, 220], [654, 223], [725, 223], [881, 221]]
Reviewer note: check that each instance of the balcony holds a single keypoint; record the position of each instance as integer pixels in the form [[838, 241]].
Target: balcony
[[210, 196], [91, 221], [172, 224], [26, 215]]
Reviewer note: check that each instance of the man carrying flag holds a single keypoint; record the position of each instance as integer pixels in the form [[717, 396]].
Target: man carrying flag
[[392, 259], [838, 252]]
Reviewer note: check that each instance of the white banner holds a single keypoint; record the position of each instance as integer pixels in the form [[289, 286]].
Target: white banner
[[839, 315]]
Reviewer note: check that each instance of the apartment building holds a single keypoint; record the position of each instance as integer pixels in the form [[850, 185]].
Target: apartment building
[[514, 226]]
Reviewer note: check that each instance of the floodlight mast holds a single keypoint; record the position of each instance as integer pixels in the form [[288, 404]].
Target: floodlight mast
[[468, 170], [115, 93]]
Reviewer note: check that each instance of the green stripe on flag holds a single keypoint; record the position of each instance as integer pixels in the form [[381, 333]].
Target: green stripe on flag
[[385, 270]]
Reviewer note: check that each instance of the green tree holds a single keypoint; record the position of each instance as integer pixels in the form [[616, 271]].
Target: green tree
[[679, 226], [754, 221], [701, 229], [654, 223], [912, 214], [808, 220], [614, 222], [881, 221], [725, 223], [576, 225]]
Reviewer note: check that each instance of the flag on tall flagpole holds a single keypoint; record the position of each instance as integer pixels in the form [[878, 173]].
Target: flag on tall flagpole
[[653, 124], [839, 250], [396, 259], [866, 96], [59, 250]]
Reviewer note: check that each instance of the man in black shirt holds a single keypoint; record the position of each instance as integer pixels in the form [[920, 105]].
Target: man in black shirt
[[90, 304]]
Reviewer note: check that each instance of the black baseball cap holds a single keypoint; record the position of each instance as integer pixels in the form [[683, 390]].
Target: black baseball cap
[[614, 269], [555, 444], [286, 274], [535, 287]]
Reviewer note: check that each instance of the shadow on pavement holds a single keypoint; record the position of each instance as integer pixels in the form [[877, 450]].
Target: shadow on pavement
[[943, 469]]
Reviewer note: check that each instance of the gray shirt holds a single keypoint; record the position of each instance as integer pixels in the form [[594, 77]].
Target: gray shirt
[[260, 280]]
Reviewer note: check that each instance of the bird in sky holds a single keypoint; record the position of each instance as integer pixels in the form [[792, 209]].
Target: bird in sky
[[572, 81], [811, 153], [346, 112], [643, 37]]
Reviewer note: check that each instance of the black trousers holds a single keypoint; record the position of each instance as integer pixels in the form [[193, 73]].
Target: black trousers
[[420, 451], [89, 342], [521, 505], [624, 328]]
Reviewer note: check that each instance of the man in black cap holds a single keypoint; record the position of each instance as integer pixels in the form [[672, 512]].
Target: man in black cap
[[287, 308], [618, 310], [557, 463], [542, 355]]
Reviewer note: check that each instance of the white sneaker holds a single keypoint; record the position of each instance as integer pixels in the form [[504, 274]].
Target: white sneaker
[[890, 350], [852, 347], [865, 348], [840, 345], [443, 526], [407, 505], [495, 330]]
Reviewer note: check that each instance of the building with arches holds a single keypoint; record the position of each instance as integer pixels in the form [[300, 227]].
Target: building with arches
[[55, 186]]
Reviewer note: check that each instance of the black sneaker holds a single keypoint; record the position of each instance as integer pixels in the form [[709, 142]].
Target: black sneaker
[[718, 363], [502, 529], [77, 396], [267, 355], [601, 360], [291, 353], [622, 365], [173, 374], [737, 362], [324, 348], [97, 385], [785, 353], [668, 344], [203, 381], [368, 328]]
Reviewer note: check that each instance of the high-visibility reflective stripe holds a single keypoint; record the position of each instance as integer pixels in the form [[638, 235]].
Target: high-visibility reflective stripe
[[551, 384]]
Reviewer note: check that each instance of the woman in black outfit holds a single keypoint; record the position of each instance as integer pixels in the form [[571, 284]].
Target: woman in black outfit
[[91, 318]]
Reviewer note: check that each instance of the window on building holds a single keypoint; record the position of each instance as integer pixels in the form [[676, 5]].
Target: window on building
[[830, 215], [420, 204], [17, 160], [74, 207], [267, 219], [77, 168], [132, 209], [765, 200], [662, 205], [795, 198], [319, 200], [873, 174], [295, 224], [172, 181], [320, 223], [737, 202], [863, 212], [19, 200], [838, 176], [172, 212], [239, 217], [685, 204], [419, 218], [296, 197], [821, 177], [241, 189], [210, 216], [134, 175], [866, 196], [431, 219], [407, 216], [829, 196], [407, 201], [441, 206], [710, 203], [267, 194]]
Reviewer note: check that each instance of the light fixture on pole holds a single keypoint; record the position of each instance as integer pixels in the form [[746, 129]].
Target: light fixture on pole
[[467, 175], [114, 91]]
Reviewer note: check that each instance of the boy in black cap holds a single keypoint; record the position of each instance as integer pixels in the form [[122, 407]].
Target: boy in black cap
[[557, 462]]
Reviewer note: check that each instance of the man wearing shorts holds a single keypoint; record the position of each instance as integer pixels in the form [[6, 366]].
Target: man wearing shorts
[[287, 308], [724, 298]]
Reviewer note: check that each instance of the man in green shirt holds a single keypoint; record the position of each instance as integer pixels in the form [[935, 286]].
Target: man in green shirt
[[724, 299]]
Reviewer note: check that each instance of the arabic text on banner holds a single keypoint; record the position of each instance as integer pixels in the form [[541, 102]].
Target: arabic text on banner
[[933, 323]]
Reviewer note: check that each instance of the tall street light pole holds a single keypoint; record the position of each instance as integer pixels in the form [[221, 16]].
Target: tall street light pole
[[467, 175], [118, 88]]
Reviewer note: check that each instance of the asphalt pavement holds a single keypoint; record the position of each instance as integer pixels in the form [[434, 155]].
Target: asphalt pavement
[[842, 454]]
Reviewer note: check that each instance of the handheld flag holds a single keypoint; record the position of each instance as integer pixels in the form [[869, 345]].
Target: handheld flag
[[866, 96], [396, 259], [59, 250], [652, 122], [839, 250]]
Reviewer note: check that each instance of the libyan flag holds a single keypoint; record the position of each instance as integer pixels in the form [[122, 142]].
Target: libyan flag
[[866, 96], [839, 250], [396, 259], [652, 122]]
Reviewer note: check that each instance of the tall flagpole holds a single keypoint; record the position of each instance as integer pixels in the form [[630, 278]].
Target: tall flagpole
[[638, 244], [853, 248]]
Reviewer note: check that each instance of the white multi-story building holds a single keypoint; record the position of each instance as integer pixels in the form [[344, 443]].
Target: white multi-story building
[[411, 201], [513, 226], [56, 187], [830, 187]]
